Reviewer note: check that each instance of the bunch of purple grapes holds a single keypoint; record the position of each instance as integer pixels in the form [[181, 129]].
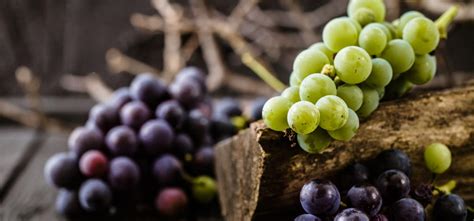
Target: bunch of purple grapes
[[380, 191], [149, 146]]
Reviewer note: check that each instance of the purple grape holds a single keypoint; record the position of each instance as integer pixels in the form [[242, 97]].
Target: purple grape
[[148, 89], [104, 117], [182, 145], [449, 207], [62, 170], [172, 112], [379, 217], [95, 196], [354, 174], [67, 204], [122, 140], [134, 114], [391, 160], [307, 217], [222, 128], [423, 193], [171, 202], [167, 170], [188, 93], [365, 198], [194, 74], [123, 174], [256, 109], [93, 163], [228, 107], [393, 185], [197, 126], [120, 97], [351, 214], [204, 161], [156, 136], [83, 139], [205, 107], [407, 209], [320, 197]]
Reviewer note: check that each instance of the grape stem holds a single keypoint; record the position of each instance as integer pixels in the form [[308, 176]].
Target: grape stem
[[262, 72], [446, 188], [445, 20]]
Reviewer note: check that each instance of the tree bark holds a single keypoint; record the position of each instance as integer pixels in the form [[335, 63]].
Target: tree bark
[[260, 171]]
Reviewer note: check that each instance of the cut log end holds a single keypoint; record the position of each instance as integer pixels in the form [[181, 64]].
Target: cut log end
[[260, 171]]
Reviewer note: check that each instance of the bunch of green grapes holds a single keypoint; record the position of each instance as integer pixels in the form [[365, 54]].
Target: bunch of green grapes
[[362, 59]]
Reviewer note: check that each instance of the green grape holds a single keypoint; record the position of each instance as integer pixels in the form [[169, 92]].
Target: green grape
[[437, 158], [204, 189], [349, 130], [314, 142], [294, 80], [316, 86], [292, 94], [333, 112], [308, 62], [400, 55], [353, 64], [376, 6], [391, 29], [355, 23], [404, 19], [373, 39], [322, 47], [370, 101], [422, 34], [363, 16], [423, 70], [382, 27], [333, 38], [274, 113], [303, 117], [398, 88], [351, 94], [380, 91], [381, 74]]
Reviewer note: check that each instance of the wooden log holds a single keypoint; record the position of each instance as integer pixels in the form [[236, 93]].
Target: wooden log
[[260, 171]]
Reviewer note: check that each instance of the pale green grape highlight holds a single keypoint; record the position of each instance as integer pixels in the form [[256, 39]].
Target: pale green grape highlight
[[314, 142], [404, 19], [363, 16], [323, 48], [400, 55], [437, 158], [370, 101], [373, 39], [422, 34], [294, 80], [333, 112], [315, 86], [292, 94], [383, 27], [351, 94], [275, 111], [423, 70], [349, 130], [376, 6], [303, 117], [308, 62], [333, 37], [381, 74], [353, 65]]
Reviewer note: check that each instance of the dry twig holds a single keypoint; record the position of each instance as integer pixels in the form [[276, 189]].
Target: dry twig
[[91, 84], [119, 62]]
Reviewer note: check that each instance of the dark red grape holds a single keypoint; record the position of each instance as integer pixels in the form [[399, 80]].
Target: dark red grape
[[62, 170], [95, 196], [123, 174], [167, 170], [379, 217], [204, 161], [393, 185], [172, 112], [391, 160], [134, 114], [120, 97], [228, 107], [449, 207], [67, 204], [148, 89], [194, 74], [423, 193], [320, 197], [104, 117], [197, 126], [351, 214], [93, 163], [122, 140], [354, 174], [156, 136], [407, 209], [307, 217], [182, 145], [365, 198], [83, 139], [171, 202], [188, 93], [256, 109]]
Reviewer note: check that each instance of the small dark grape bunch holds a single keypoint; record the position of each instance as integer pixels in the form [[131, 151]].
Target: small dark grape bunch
[[149, 146], [383, 192]]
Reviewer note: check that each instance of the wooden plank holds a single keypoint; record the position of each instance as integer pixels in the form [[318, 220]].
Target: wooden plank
[[14, 144]]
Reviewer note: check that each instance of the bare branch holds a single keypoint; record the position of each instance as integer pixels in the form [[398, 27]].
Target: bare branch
[[119, 62]]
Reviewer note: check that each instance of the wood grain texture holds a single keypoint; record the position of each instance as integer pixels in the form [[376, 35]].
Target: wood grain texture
[[260, 171]]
